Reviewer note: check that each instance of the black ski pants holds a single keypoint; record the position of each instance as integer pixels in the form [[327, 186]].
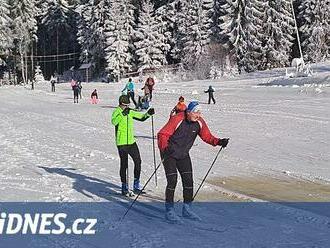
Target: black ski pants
[[211, 97], [75, 96], [134, 152], [172, 166], [131, 95]]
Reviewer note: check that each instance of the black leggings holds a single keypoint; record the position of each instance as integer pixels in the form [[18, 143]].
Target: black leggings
[[171, 166], [150, 92], [211, 97], [131, 95], [134, 152], [75, 96]]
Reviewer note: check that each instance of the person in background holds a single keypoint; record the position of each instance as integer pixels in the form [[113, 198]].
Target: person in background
[[75, 93], [146, 91], [73, 83], [94, 97], [129, 89], [211, 97], [150, 83], [79, 87], [53, 82], [179, 107]]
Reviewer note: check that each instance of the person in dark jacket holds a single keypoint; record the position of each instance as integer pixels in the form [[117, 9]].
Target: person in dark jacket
[[211, 97], [79, 88], [75, 88], [175, 140], [53, 82]]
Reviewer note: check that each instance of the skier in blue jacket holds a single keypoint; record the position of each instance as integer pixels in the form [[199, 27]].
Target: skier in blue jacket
[[129, 88]]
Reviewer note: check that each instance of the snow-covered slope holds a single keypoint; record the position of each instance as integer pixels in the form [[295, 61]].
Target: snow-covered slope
[[55, 151]]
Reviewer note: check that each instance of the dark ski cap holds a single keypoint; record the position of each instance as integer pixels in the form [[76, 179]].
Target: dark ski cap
[[124, 100]]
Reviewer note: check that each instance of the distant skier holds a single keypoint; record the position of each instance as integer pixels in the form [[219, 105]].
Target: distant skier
[[122, 119], [150, 83], [179, 107], [79, 87], [94, 97], [175, 140], [73, 83], [129, 89], [75, 93], [143, 102], [211, 97], [146, 91], [53, 82]]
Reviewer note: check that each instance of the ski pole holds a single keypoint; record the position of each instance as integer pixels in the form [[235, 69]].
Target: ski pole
[[127, 175], [215, 159], [129, 208], [153, 146]]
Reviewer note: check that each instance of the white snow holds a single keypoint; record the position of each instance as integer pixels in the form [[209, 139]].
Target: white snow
[[55, 151]]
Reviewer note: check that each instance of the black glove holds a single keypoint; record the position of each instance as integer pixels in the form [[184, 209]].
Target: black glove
[[223, 142], [151, 111], [126, 111]]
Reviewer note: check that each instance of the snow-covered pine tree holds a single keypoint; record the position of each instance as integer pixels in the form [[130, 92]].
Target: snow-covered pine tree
[[56, 18], [233, 28], [42, 6], [240, 27], [327, 18], [315, 29], [197, 34], [59, 33], [75, 3], [84, 33], [166, 17], [278, 33], [219, 11], [23, 14], [149, 41], [6, 35], [250, 52], [38, 76], [99, 15], [179, 18], [119, 36]]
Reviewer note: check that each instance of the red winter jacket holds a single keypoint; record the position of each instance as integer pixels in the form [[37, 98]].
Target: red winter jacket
[[178, 135]]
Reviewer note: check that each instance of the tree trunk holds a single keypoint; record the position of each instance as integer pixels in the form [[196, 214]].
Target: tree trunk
[[26, 66], [22, 63], [32, 64]]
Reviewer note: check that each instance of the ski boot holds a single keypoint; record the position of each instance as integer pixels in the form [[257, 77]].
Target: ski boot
[[125, 191], [188, 213], [137, 188], [170, 215]]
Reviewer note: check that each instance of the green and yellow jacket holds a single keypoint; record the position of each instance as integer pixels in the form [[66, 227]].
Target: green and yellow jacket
[[124, 125]]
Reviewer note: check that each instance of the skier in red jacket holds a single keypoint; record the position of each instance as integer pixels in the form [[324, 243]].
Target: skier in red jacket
[[150, 83], [179, 107], [175, 140]]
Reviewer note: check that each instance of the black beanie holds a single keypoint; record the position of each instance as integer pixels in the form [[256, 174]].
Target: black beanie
[[123, 99]]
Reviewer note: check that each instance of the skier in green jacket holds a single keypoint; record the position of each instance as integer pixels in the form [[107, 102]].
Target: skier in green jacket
[[122, 119]]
